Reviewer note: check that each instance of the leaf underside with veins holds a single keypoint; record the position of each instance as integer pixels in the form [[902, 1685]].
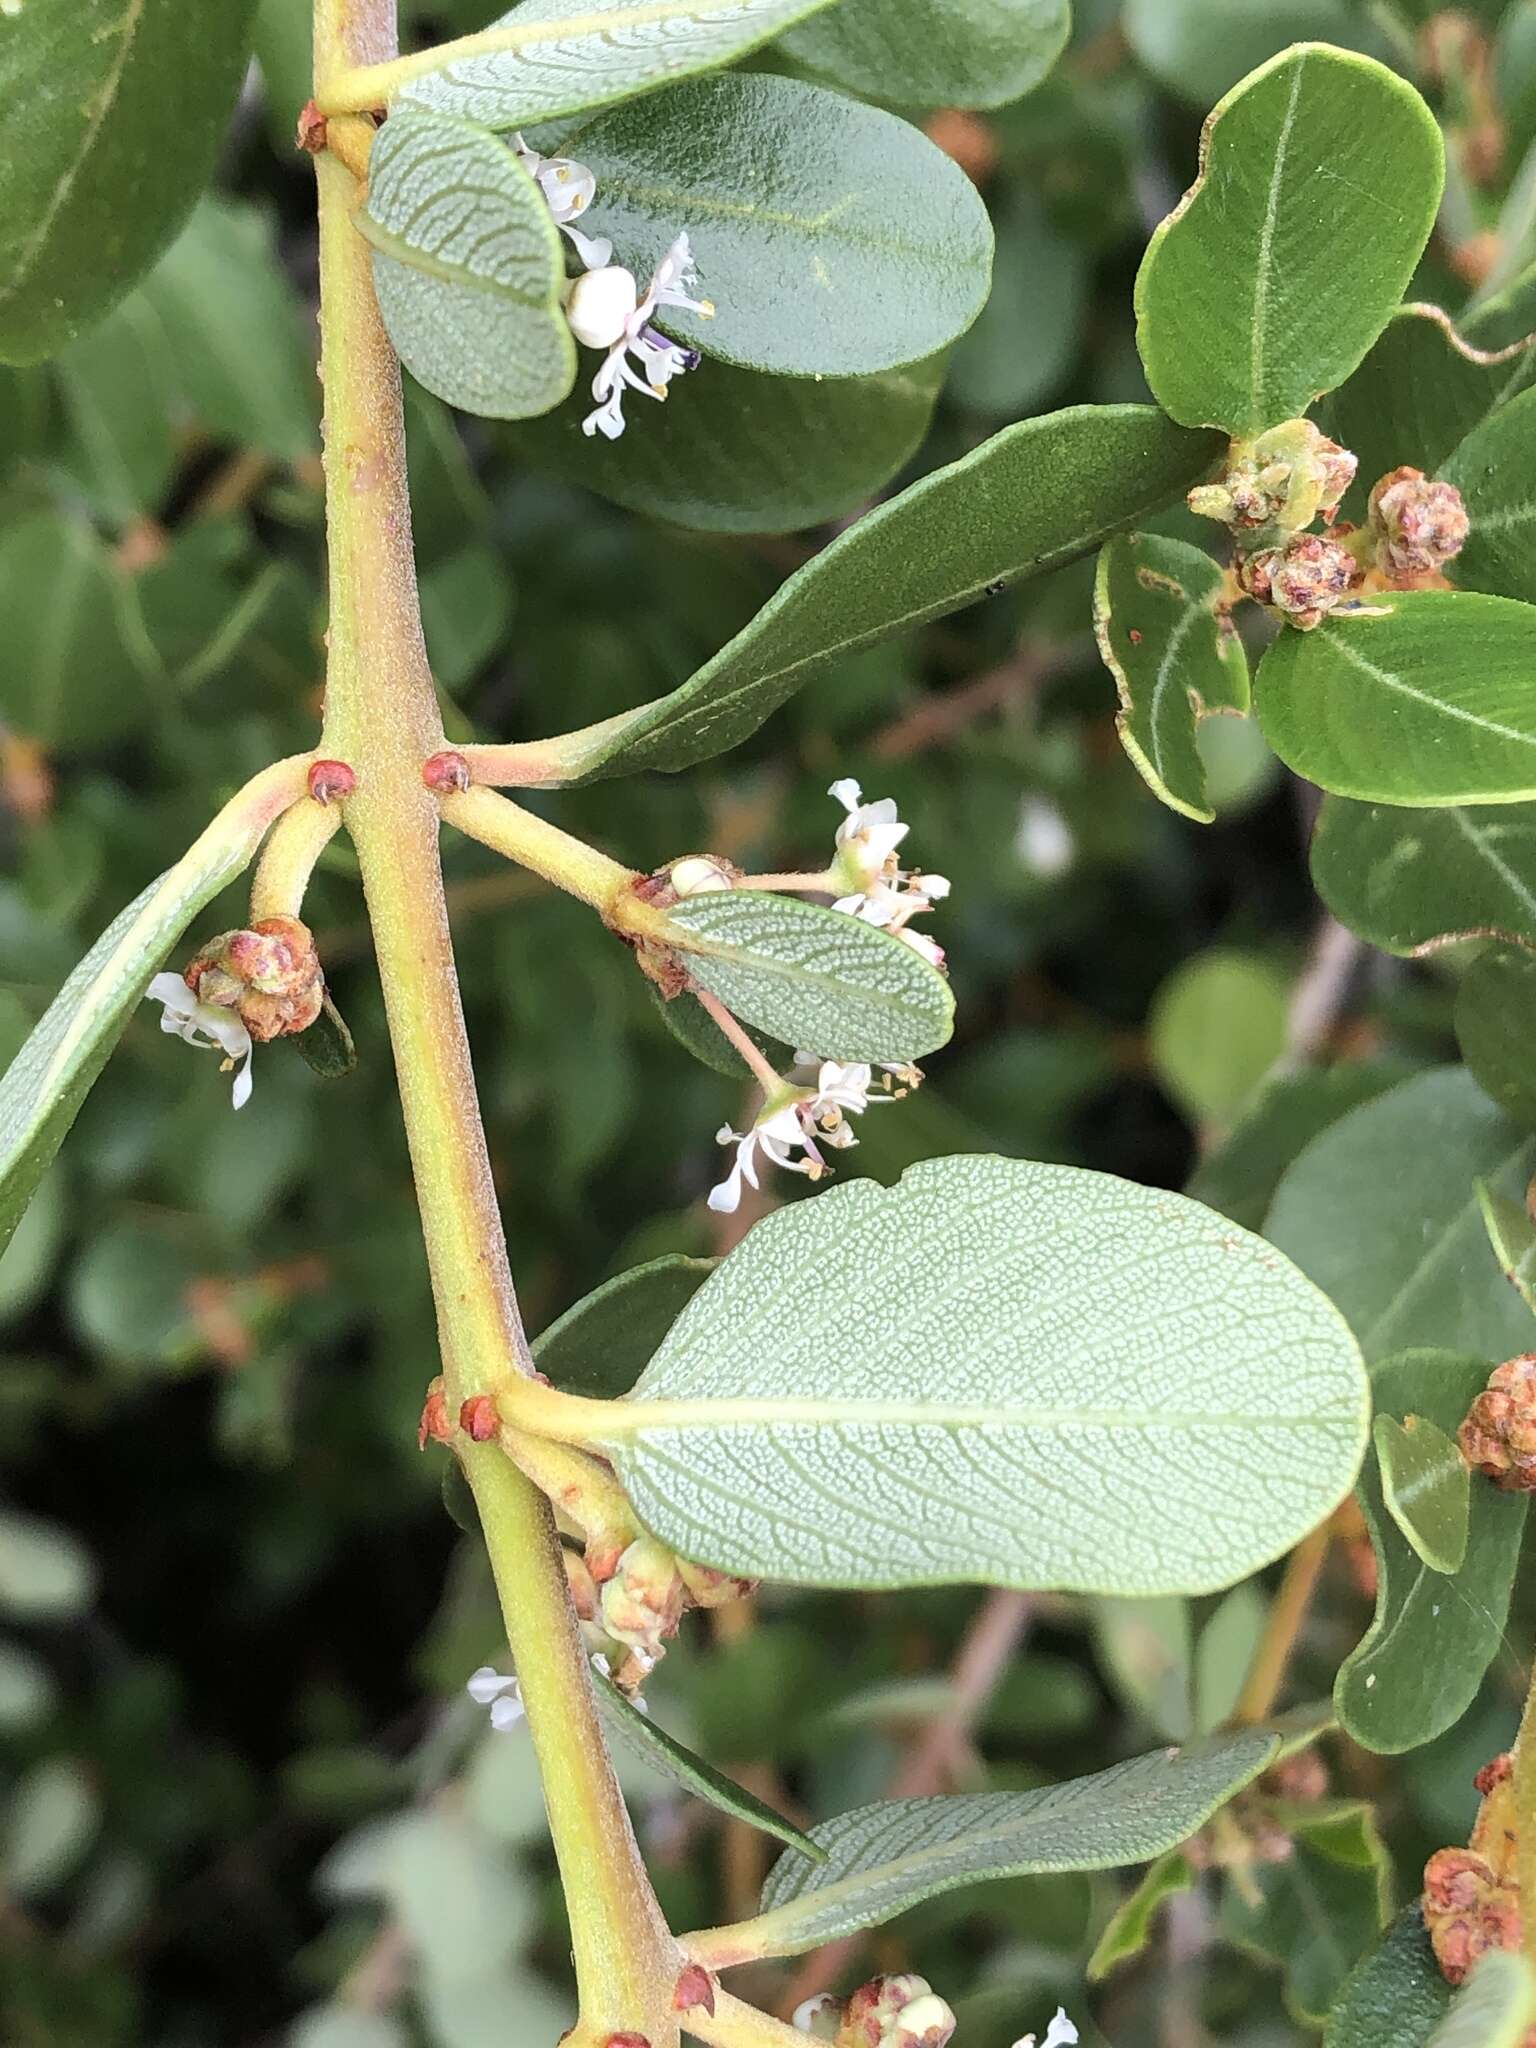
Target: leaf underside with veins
[[563, 56], [996, 1371]]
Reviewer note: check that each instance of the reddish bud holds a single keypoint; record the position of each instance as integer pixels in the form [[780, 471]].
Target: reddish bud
[[311, 129], [583, 1587], [627, 2041], [1498, 1772], [1498, 1437], [434, 1418], [479, 1420], [1305, 579], [329, 781], [270, 974], [1303, 1777], [695, 1990], [1467, 1911], [1419, 525], [447, 773]]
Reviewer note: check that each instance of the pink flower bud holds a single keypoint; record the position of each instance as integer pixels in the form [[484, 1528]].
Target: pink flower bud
[[1498, 1437], [330, 781], [1419, 525], [479, 1420], [447, 773]]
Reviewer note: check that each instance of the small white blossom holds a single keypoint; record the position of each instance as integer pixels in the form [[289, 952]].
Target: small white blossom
[[503, 1695], [1059, 2034], [205, 1024], [882, 893], [803, 1121], [568, 189], [820, 2016], [606, 310]]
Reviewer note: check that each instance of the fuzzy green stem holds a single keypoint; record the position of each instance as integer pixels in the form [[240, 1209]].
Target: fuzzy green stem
[[381, 717], [1525, 1819], [735, 2025], [298, 839], [534, 843]]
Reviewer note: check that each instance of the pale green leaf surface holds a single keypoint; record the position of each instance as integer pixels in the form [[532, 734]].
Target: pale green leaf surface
[[1240, 1176], [1319, 180], [815, 977], [1512, 1236], [1146, 1648], [43, 1087], [72, 673], [602, 1344], [939, 1427], [833, 239], [1421, 699], [1411, 880], [935, 53], [95, 177], [887, 1857], [1434, 1634], [1494, 468], [1130, 1926], [1494, 2008], [1201, 48], [1427, 1487], [1031, 498], [1381, 1211], [1495, 1020], [557, 57], [1395, 1997], [468, 266], [1173, 658], [1217, 1026]]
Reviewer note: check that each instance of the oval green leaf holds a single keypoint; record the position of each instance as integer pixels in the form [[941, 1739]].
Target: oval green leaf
[[1410, 881], [1074, 1399], [833, 239], [1201, 48], [552, 57], [110, 118], [1495, 470], [1175, 658], [737, 452], [43, 1087], [467, 266], [1419, 699], [935, 53], [815, 977], [1427, 1487], [1218, 1024], [881, 1859], [1031, 498], [602, 1344], [1421, 1662], [1512, 1238], [1396, 1996], [1495, 1015], [1320, 177], [1382, 1212]]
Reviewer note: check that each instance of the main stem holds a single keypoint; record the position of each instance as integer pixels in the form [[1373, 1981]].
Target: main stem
[[381, 717]]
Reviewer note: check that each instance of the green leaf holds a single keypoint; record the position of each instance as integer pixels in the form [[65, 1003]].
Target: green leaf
[[1240, 1177], [1201, 48], [1512, 1235], [889, 1856], [779, 1444], [45, 1084], [1129, 1927], [326, 1047], [45, 1574], [1320, 177], [1494, 468], [640, 1734], [935, 53], [1218, 1024], [1027, 338], [815, 977], [833, 239], [1427, 1488], [99, 176], [1419, 699], [1410, 881], [75, 674], [1395, 1997], [545, 58], [1224, 1655], [1417, 395], [601, 1346], [1495, 1008], [737, 452], [467, 266], [1381, 1211], [691, 1025], [48, 1824], [1146, 1648], [1319, 1911], [1493, 2009], [118, 386], [1033, 497], [1175, 658], [1421, 1662]]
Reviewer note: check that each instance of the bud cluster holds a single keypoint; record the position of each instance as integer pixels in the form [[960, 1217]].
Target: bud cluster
[[635, 1600], [270, 975], [1278, 484], [887, 2012], [1418, 526], [1498, 1437], [1472, 1896]]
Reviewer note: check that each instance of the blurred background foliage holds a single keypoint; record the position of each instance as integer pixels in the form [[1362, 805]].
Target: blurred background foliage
[[237, 1767]]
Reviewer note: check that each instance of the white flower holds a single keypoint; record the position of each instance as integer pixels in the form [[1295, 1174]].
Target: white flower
[[606, 310], [802, 1120], [209, 1024], [881, 892], [503, 1695], [1059, 2034], [820, 2016], [568, 188]]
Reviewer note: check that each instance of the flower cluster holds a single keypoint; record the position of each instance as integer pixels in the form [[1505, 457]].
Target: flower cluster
[[879, 889], [1471, 1898], [244, 988], [901, 2012], [1498, 1438], [604, 304]]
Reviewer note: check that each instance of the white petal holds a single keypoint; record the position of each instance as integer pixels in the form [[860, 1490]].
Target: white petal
[[600, 305], [173, 992], [485, 1685], [595, 251], [849, 796], [934, 887], [240, 1091], [1061, 2032], [506, 1713], [725, 1196]]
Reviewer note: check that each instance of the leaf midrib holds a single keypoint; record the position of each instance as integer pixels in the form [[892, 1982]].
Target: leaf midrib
[[632, 1419], [1265, 255]]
